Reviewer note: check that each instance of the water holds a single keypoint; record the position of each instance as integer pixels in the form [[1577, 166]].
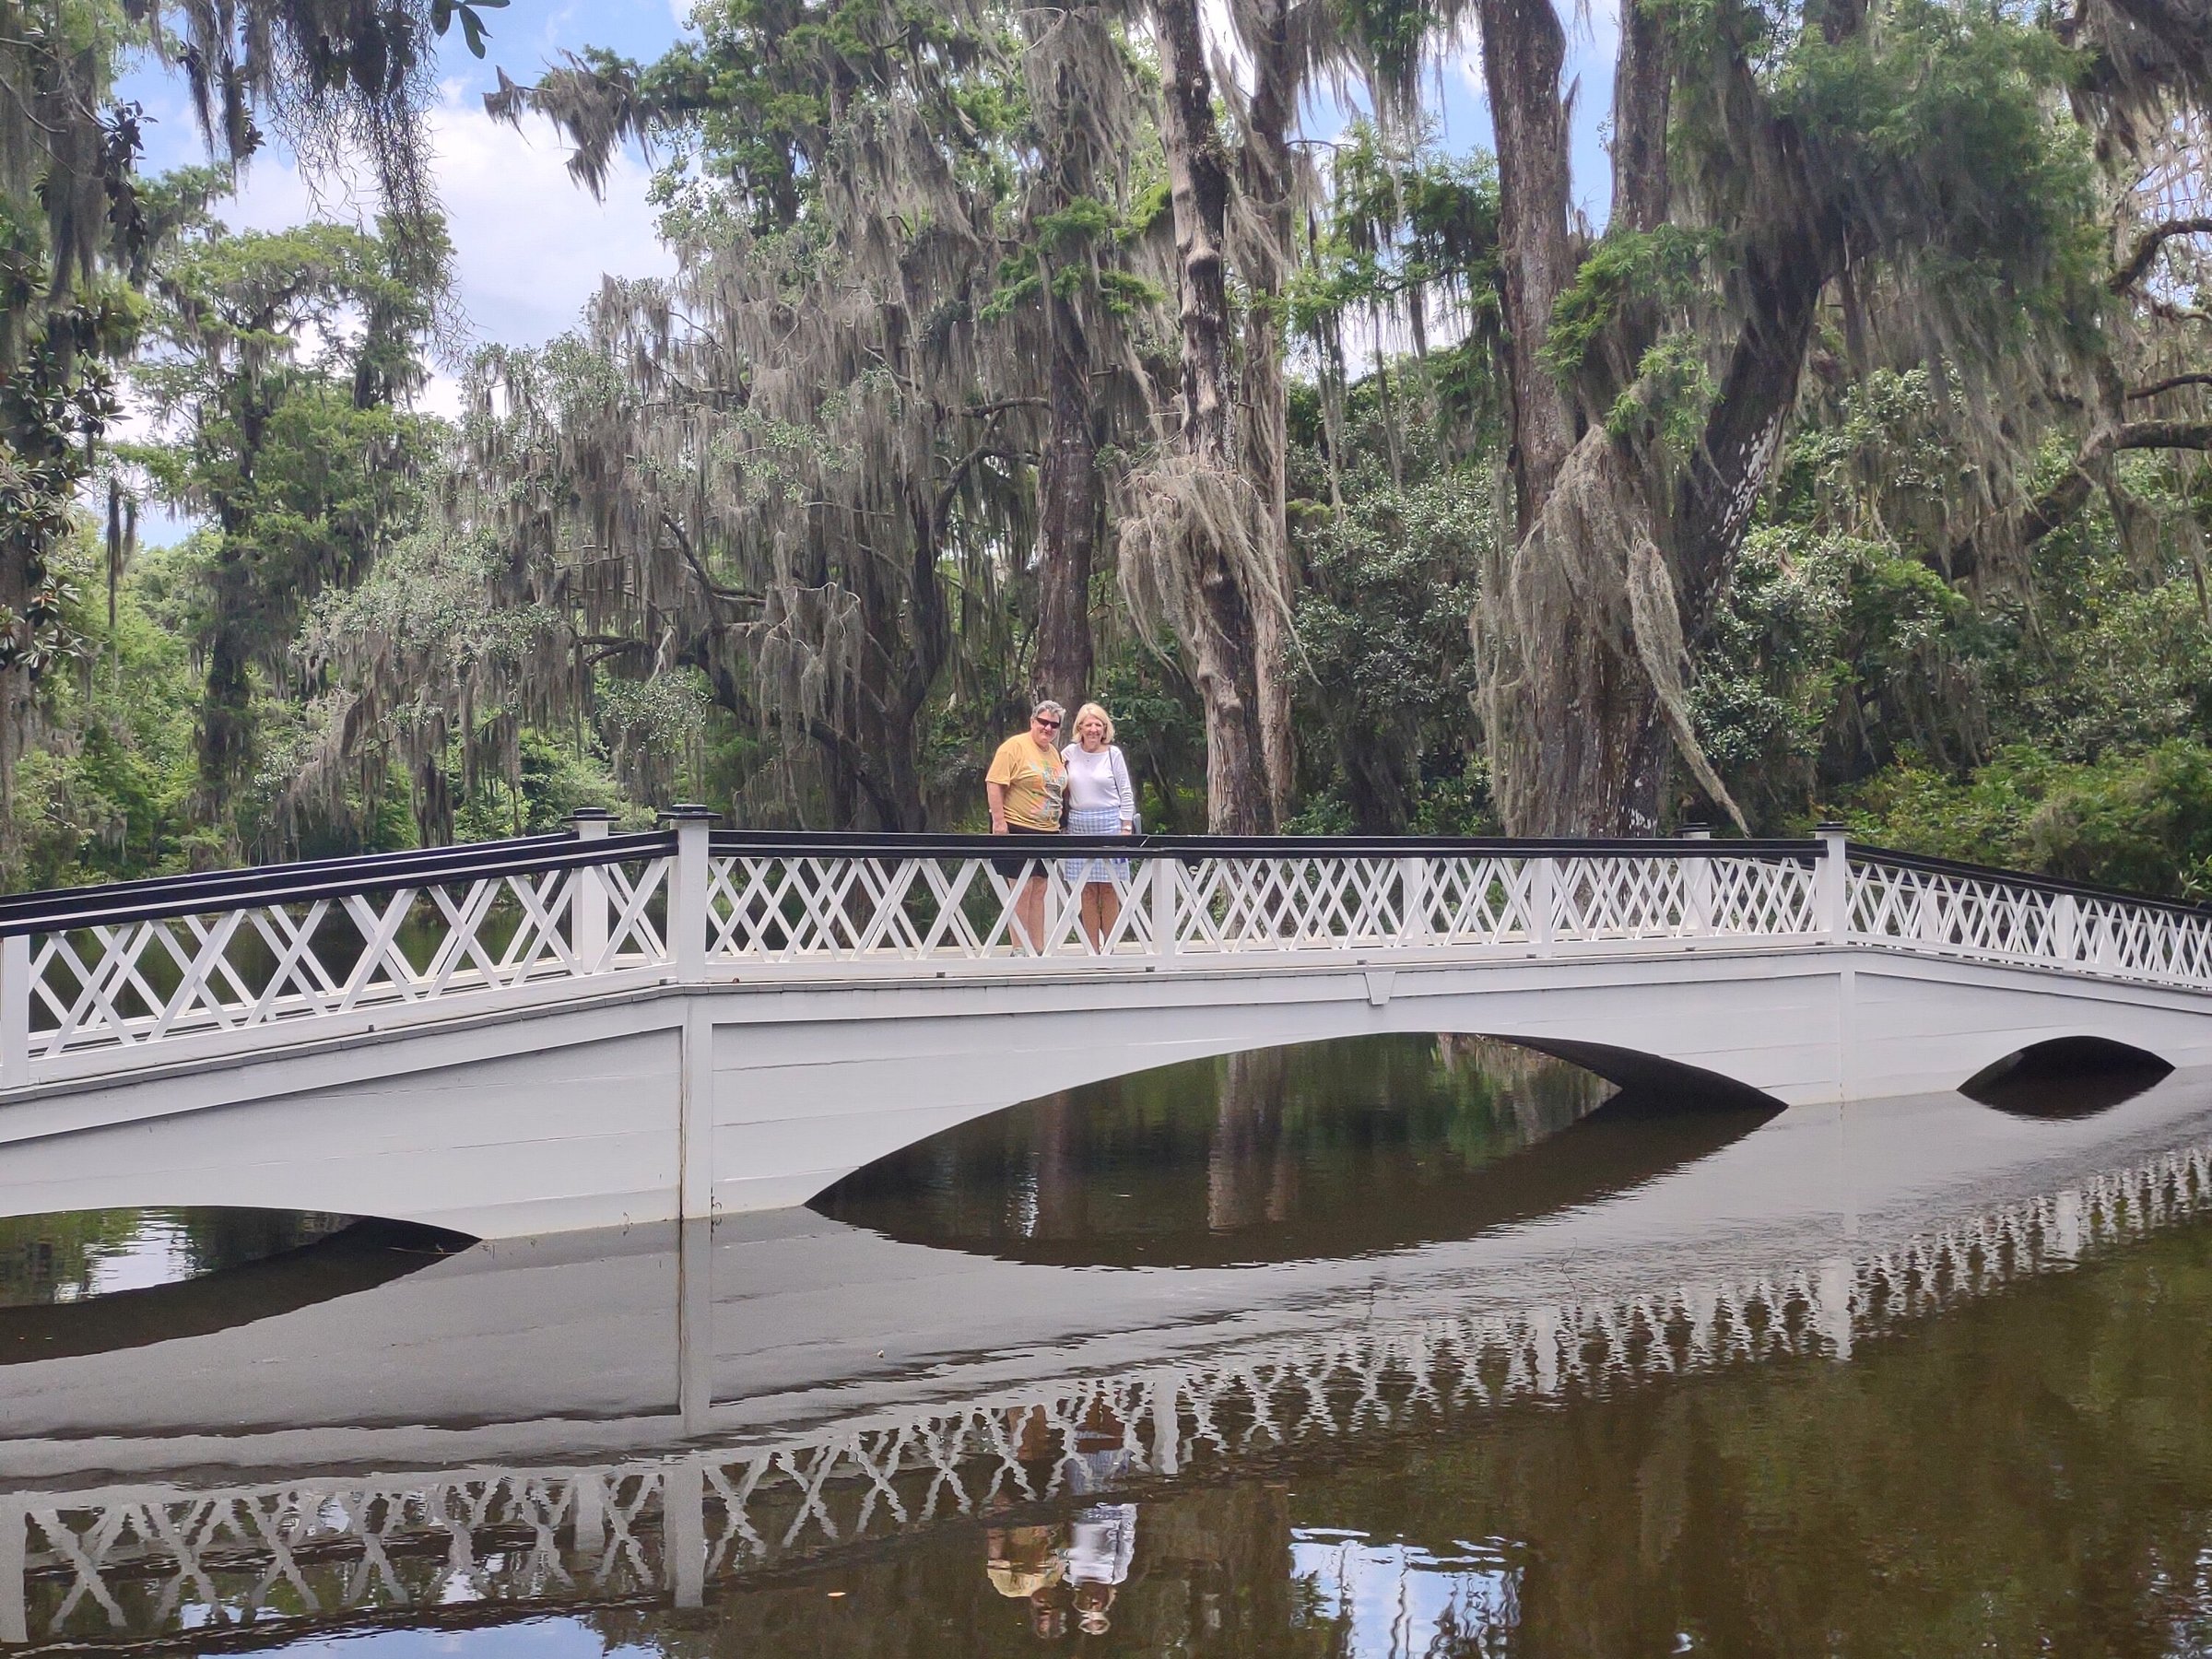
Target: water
[[1324, 1149], [94, 1281], [1394, 1348]]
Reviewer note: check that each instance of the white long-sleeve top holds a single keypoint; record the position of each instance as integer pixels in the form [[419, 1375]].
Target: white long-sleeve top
[[1100, 779]]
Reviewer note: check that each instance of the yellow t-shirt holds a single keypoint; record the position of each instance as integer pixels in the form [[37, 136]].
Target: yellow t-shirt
[[1034, 780]]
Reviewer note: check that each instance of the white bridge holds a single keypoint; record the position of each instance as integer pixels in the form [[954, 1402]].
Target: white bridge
[[591, 1029]]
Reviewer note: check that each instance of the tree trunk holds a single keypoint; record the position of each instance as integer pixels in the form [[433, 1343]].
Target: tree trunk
[[1593, 605], [1068, 484], [1569, 720], [1264, 166], [1218, 624]]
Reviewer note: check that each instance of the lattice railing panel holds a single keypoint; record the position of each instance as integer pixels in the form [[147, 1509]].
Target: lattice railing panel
[[1763, 898], [126, 983], [779, 909], [1951, 913]]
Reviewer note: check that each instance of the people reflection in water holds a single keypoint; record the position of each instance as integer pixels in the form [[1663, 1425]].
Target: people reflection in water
[[1080, 1566], [1030, 1564], [1102, 1544]]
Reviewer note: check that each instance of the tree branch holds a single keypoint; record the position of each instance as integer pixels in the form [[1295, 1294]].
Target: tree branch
[[2066, 493], [2146, 249], [1000, 405], [728, 596], [2171, 383]]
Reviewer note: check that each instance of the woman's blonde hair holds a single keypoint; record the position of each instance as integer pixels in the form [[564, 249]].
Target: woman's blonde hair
[[1084, 713]]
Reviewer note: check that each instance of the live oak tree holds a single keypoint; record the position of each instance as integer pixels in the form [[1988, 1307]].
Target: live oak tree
[[915, 282], [1896, 169]]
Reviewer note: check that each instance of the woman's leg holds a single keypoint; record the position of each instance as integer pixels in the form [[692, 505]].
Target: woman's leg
[[1102, 908], [1029, 908]]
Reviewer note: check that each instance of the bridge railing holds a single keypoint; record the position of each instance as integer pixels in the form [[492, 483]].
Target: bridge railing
[[1938, 907], [896, 902], [94, 977], [336, 941]]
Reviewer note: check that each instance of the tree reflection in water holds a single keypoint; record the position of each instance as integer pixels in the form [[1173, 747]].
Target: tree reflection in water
[[1319, 1149]]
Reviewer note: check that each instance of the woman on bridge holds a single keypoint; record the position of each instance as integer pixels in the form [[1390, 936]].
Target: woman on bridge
[[1099, 802], [1025, 786]]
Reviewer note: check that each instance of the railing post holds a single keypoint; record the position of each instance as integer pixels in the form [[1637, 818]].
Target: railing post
[[15, 1610], [1697, 886], [1543, 881], [1413, 902], [688, 889], [2065, 927], [1832, 887], [15, 1011], [684, 1531], [1161, 875], [587, 893]]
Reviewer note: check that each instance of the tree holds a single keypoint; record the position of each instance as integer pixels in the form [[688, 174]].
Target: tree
[[335, 77], [1906, 163], [308, 467], [912, 288]]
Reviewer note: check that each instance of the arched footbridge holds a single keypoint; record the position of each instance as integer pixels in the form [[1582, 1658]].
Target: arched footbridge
[[586, 1028]]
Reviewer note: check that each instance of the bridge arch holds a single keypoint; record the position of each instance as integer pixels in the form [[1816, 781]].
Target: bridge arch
[[2069, 1077], [1306, 1150], [1618, 1034]]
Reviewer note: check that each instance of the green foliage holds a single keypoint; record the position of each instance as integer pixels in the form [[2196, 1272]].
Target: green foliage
[[1401, 220], [1383, 623], [769, 86], [2140, 820], [104, 796], [1823, 638], [1673, 391], [308, 469], [1659, 267], [1933, 135]]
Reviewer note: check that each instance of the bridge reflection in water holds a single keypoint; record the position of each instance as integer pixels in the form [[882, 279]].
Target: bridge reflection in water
[[1802, 1240]]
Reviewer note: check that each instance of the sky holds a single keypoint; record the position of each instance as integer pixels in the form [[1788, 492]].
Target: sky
[[531, 246]]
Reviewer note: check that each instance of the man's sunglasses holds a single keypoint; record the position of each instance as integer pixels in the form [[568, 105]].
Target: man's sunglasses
[[1050, 725]]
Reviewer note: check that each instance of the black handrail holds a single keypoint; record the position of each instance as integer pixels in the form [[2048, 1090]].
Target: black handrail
[[109, 903], [1928, 864], [864, 843]]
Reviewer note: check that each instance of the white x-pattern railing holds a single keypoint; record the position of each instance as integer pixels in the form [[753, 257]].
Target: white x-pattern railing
[[150, 1562], [127, 974]]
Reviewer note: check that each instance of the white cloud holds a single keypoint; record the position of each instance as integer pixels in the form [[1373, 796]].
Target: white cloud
[[530, 244]]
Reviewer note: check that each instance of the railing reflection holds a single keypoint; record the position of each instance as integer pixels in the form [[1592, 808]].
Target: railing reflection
[[159, 1564]]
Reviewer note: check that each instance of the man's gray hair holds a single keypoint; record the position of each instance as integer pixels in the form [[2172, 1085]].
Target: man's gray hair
[[1048, 707]]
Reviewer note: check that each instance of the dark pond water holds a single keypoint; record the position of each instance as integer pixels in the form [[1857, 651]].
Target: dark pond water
[[1327, 1149], [2032, 1474], [1401, 1348]]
